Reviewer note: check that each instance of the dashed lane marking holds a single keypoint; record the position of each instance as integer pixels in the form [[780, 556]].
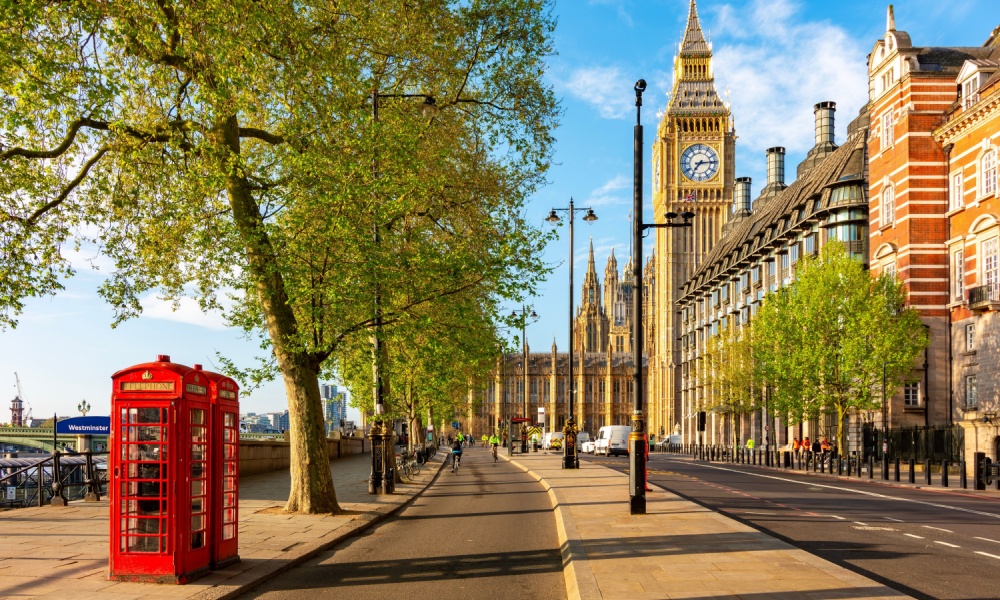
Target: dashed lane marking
[[896, 520], [988, 540], [988, 554], [860, 523], [939, 529], [946, 544], [919, 537], [853, 491]]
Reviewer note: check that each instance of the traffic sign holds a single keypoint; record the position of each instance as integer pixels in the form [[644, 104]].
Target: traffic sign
[[520, 420], [454, 424]]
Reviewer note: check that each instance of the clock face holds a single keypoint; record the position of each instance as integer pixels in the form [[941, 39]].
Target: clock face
[[699, 162]]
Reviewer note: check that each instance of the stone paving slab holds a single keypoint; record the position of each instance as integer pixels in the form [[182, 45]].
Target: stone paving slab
[[63, 551], [678, 549]]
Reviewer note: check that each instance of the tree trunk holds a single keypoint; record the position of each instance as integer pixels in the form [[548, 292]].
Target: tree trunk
[[312, 482]]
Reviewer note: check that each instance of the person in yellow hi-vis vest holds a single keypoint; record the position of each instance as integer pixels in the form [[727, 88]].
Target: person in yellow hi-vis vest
[[750, 444]]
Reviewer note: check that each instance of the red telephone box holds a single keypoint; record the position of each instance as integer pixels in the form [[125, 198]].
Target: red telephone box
[[160, 473], [223, 394]]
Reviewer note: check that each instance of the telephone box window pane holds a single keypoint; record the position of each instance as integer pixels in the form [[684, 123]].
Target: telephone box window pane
[[143, 544], [197, 417], [227, 484], [149, 452], [198, 434], [149, 471], [148, 434], [197, 540], [146, 415], [229, 500], [229, 419], [197, 504], [228, 532], [197, 469], [197, 451], [150, 508], [197, 487], [230, 452]]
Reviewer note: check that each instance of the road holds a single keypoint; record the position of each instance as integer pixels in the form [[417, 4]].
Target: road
[[927, 544], [487, 531]]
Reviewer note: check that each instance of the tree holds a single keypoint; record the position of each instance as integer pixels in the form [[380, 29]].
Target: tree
[[728, 371], [218, 149], [824, 342]]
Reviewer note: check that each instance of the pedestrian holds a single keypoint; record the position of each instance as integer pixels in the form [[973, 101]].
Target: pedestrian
[[750, 443], [816, 447], [825, 446], [796, 445], [485, 439]]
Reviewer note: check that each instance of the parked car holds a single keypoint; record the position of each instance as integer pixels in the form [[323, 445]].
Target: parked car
[[612, 440], [587, 447], [582, 438]]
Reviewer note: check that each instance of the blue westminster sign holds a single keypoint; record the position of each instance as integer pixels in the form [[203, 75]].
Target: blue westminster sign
[[85, 426]]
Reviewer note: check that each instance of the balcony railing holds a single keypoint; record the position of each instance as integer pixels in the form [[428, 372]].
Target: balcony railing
[[985, 297]]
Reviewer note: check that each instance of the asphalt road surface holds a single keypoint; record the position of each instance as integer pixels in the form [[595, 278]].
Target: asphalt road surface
[[487, 531], [924, 543]]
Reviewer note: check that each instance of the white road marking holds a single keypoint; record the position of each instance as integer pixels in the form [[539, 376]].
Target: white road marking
[[859, 492], [919, 537], [988, 540], [946, 544], [860, 523], [896, 520], [838, 517], [939, 529], [988, 554]]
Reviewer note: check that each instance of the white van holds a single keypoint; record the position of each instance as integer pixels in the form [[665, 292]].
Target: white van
[[552, 439], [612, 439]]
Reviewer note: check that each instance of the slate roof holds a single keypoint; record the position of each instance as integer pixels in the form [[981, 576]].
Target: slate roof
[[755, 233]]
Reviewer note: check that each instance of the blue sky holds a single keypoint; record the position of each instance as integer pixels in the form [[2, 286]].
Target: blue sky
[[776, 59]]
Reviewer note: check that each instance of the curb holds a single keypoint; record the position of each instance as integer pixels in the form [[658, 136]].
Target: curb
[[579, 577], [272, 568]]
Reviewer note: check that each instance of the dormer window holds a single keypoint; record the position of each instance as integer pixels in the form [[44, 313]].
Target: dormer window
[[970, 93]]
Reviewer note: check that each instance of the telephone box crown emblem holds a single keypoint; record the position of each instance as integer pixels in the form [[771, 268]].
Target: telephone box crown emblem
[[147, 375]]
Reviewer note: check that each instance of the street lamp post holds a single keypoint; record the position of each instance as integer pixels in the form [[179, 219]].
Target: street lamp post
[[524, 349], [570, 458], [637, 439], [382, 478]]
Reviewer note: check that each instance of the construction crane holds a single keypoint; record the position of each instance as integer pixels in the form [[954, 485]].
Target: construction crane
[[16, 409]]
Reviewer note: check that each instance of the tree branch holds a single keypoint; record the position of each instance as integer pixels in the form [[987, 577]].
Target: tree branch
[[59, 150], [260, 134], [69, 188]]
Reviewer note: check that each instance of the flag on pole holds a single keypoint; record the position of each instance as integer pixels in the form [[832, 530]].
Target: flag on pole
[[689, 197]]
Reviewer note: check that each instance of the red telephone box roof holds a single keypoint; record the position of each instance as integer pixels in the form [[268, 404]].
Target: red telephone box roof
[[223, 388], [162, 363]]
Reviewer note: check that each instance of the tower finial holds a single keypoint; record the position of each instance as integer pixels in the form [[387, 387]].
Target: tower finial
[[890, 20], [694, 39]]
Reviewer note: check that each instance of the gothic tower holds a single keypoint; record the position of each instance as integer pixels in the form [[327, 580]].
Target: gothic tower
[[693, 170], [591, 322]]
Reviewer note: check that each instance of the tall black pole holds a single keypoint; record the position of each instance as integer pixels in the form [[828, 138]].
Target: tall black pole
[[637, 439], [524, 349], [570, 458]]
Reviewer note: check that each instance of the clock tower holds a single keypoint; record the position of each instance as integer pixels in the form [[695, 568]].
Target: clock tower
[[693, 170]]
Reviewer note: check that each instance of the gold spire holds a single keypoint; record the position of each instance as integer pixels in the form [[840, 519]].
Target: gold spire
[[694, 40]]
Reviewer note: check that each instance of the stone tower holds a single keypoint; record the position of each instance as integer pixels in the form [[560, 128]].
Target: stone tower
[[591, 322], [693, 170]]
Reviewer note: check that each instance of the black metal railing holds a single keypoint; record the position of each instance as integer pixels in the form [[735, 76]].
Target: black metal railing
[[984, 295], [55, 479]]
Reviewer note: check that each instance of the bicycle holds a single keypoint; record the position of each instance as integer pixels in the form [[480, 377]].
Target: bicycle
[[408, 465], [456, 461], [494, 453]]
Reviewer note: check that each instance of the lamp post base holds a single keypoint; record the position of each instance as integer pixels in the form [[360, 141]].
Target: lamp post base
[[570, 458], [382, 480]]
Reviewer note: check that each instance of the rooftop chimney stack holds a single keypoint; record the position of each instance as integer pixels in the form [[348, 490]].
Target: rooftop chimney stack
[[775, 172], [824, 122], [741, 194]]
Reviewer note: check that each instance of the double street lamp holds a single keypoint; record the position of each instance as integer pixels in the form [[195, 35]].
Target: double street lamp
[[570, 458], [524, 315], [637, 441], [382, 478]]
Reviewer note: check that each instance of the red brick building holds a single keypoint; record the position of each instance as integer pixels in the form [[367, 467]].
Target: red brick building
[[933, 211]]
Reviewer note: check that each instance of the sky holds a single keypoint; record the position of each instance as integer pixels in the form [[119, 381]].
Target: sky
[[773, 60]]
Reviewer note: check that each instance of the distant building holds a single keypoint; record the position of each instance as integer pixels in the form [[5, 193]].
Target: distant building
[[335, 403]]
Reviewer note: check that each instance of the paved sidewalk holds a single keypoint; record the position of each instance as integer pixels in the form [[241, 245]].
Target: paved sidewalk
[[63, 551], [678, 549]]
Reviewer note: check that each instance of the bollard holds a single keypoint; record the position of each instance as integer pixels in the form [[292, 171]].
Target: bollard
[[927, 472], [840, 466], [895, 472], [913, 477], [822, 464], [58, 499], [885, 467], [944, 473], [963, 479], [814, 461], [848, 466], [871, 467]]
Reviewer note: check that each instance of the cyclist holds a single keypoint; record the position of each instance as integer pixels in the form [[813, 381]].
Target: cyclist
[[494, 441], [456, 455]]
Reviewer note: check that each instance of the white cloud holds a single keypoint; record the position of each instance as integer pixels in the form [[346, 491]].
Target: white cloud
[[780, 67], [604, 88], [610, 193], [187, 311]]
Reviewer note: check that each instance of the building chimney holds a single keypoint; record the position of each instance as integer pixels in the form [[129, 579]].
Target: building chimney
[[824, 122], [776, 167], [775, 172], [741, 195]]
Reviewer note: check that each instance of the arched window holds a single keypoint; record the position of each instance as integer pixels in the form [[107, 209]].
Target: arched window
[[988, 173], [888, 205]]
